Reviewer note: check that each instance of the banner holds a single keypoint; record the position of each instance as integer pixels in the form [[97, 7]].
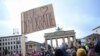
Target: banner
[[38, 19]]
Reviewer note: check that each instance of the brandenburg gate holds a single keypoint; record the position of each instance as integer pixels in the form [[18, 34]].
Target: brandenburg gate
[[60, 35]]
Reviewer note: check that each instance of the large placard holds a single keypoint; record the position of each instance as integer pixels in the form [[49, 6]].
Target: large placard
[[38, 19]]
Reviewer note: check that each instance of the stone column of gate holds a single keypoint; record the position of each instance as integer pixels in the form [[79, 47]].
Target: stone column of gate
[[56, 42], [51, 42], [69, 42], [63, 40], [46, 45], [74, 40]]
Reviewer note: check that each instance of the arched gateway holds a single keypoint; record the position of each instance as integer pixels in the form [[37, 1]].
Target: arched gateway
[[60, 35]]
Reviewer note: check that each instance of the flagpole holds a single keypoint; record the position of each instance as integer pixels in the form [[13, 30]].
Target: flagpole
[[23, 46], [23, 49]]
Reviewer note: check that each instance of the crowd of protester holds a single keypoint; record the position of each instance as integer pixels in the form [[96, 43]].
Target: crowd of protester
[[90, 49]]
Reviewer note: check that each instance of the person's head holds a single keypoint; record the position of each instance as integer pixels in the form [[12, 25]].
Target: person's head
[[49, 47], [91, 40], [91, 45], [81, 52], [63, 46], [58, 52], [71, 45], [78, 43]]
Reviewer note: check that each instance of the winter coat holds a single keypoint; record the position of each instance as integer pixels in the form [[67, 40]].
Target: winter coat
[[97, 46]]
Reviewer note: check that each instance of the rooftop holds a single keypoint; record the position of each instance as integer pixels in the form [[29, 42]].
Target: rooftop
[[96, 28], [10, 36], [92, 35], [31, 42]]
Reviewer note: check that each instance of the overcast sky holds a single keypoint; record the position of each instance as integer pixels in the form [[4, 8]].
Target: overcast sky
[[79, 15]]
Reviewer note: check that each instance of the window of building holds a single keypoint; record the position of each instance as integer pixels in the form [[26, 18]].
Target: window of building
[[18, 42], [0, 44], [11, 47], [11, 42], [14, 47], [5, 39], [5, 43], [8, 43], [14, 42], [17, 46], [3, 48], [8, 47], [0, 39], [34, 44]]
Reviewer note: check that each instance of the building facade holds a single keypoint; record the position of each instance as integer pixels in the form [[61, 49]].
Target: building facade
[[11, 43], [96, 30], [31, 45], [92, 37], [69, 34]]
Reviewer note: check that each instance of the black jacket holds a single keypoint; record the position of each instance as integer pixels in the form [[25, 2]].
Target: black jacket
[[97, 46]]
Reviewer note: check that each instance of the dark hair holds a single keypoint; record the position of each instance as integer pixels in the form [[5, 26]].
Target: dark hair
[[78, 41], [84, 47], [58, 52]]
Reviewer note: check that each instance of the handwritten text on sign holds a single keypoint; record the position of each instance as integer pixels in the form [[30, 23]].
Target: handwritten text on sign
[[38, 19]]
